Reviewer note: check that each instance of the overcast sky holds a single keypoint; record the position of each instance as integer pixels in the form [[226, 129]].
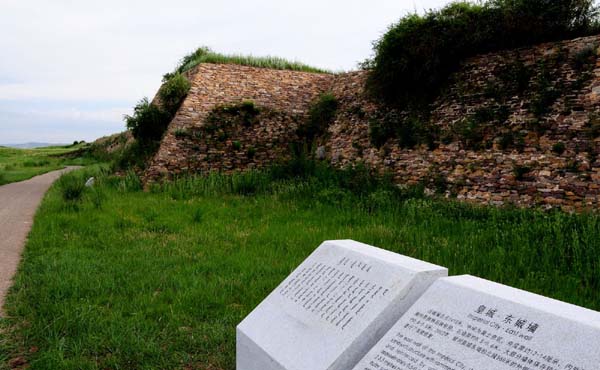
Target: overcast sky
[[70, 69]]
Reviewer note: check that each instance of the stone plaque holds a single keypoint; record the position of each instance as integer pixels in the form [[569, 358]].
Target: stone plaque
[[467, 323], [332, 309]]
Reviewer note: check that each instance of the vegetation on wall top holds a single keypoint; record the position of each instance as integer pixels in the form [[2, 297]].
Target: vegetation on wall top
[[415, 57], [206, 55], [173, 92]]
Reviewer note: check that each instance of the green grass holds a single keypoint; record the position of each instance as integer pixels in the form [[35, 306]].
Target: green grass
[[125, 279], [22, 164], [205, 55]]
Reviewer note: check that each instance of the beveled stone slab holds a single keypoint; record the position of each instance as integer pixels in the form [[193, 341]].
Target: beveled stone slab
[[332, 309], [467, 323]]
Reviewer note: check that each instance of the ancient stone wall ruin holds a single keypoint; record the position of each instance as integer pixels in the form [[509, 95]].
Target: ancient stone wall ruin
[[190, 145], [537, 146]]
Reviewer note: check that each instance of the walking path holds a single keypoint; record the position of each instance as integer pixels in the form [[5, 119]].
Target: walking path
[[18, 203]]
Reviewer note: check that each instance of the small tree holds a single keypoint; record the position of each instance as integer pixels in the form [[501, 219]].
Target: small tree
[[148, 122]]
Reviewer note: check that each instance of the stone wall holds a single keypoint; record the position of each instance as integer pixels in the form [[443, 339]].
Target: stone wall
[[518, 159], [283, 96], [533, 174]]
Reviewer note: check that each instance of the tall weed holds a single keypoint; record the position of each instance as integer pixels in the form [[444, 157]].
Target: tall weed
[[72, 187]]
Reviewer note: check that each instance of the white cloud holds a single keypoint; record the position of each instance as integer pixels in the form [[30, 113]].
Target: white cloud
[[74, 114]]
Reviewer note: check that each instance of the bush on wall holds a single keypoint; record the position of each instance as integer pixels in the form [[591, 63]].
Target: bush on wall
[[410, 131], [173, 92], [220, 117], [415, 57], [320, 116], [148, 122]]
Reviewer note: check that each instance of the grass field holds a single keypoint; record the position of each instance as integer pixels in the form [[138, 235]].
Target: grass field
[[22, 164], [125, 279]]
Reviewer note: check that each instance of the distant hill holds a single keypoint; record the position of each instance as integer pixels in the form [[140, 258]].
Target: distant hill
[[31, 145]]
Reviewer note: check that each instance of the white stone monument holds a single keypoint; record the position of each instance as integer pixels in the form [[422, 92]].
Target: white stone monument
[[467, 323], [332, 309]]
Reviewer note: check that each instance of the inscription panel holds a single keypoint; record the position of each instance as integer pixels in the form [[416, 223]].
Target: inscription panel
[[451, 328], [334, 294], [332, 309]]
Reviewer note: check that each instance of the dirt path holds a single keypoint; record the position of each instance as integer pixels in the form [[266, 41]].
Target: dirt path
[[18, 203]]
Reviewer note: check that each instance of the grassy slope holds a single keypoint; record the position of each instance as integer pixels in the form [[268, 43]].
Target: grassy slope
[[22, 164], [160, 280]]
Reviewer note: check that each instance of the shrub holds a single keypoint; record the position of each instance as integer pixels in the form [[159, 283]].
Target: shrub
[[248, 112], [2, 176], [516, 77], [537, 125], [520, 142], [131, 182], [415, 131], [572, 165], [584, 58], [181, 133], [173, 92], [135, 155], [559, 148], [536, 21], [436, 180], [236, 145], [470, 132], [222, 136], [545, 93], [520, 171], [71, 187], [410, 130], [380, 132], [320, 116], [360, 179], [148, 122], [251, 152], [245, 113], [507, 139], [300, 166], [582, 78], [248, 107], [415, 57], [484, 115]]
